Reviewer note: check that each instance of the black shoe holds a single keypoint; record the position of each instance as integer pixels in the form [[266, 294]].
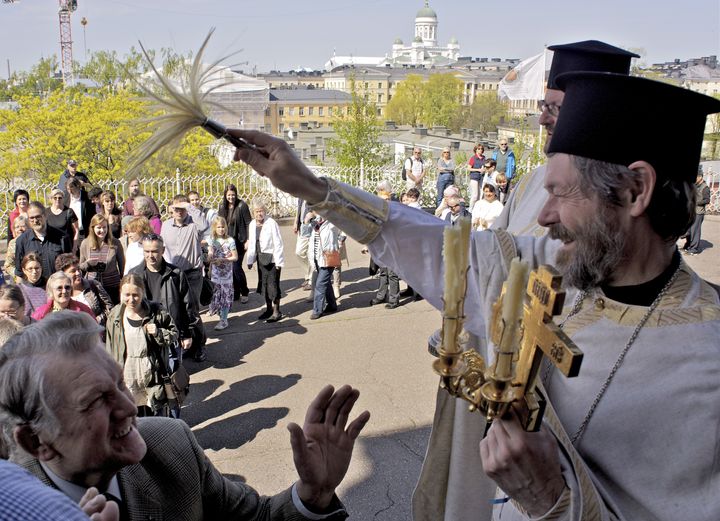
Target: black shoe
[[329, 310], [376, 301], [265, 314], [200, 356], [277, 316], [391, 305], [406, 292], [418, 297]]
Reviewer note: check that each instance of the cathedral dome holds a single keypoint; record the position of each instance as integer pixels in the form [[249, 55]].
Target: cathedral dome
[[398, 41], [426, 12]]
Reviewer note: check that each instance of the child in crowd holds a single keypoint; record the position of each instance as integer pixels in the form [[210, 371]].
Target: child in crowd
[[412, 198], [222, 252]]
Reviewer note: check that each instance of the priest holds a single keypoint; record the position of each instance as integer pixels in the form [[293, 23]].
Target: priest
[[635, 435]]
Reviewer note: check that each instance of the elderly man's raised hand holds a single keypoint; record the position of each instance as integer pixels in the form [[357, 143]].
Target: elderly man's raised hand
[[323, 447], [274, 159]]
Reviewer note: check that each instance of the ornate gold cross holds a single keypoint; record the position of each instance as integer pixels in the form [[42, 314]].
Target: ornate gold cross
[[513, 375], [541, 336]]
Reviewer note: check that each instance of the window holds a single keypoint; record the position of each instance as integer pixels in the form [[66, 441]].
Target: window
[[310, 111], [291, 111], [389, 97], [379, 85], [281, 127], [267, 111], [301, 111], [281, 111], [366, 85], [379, 98]]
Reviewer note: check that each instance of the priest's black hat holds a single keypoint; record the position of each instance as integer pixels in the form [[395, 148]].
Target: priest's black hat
[[590, 55], [622, 119]]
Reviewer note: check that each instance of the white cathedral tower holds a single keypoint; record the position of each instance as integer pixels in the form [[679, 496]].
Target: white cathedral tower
[[423, 49]]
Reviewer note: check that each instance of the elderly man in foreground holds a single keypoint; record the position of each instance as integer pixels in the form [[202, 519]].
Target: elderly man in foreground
[[634, 436], [63, 399]]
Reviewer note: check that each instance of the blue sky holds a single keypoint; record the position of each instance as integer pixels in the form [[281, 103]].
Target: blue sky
[[283, 34]]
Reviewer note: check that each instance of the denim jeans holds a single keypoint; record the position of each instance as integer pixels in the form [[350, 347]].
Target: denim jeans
[[443, 181], [324, 297]]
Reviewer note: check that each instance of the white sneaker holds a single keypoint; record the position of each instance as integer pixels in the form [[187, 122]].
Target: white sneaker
[[221, 325], [244, 300]]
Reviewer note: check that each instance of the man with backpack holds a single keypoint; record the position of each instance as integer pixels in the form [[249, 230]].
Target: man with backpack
[[414, 170]]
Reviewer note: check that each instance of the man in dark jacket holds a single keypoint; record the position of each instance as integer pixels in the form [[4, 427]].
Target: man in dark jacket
[[72, 172], [702, 198], [168, 285], [39, 237]]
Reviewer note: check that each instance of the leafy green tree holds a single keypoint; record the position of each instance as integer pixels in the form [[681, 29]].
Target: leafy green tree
[[358, 133], [484, 114], [99, 130], [406, 105], [441, 100], [42, 79]]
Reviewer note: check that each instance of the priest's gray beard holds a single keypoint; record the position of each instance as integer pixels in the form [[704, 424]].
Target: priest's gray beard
[[599, 250]]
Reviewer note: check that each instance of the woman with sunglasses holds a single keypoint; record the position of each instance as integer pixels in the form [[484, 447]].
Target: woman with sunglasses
[[59, 291], [61, 217]]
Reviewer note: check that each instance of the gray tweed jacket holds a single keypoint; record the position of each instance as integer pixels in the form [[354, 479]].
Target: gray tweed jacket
[[176, 482]]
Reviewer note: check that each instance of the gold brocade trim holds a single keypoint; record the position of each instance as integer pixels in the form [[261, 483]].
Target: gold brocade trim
[[507, 245], [672, 309]]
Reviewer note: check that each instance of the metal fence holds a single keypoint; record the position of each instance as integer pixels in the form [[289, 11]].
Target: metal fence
[[251, 185]]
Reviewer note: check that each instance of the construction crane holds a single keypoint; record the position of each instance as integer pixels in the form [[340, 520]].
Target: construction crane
[[66, 9], [66, 59]]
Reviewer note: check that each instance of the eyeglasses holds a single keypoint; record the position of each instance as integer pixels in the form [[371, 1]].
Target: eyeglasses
[[551, 108]]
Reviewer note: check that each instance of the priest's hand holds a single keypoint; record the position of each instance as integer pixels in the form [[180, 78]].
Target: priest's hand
[[525, 465], [274, 159], [323, 447]]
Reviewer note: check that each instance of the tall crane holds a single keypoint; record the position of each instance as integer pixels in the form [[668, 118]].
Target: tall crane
[[66, 9], [66, 58]]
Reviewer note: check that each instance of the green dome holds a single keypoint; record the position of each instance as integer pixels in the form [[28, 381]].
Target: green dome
[[453, 40], [398, 41], [426, 12], [418, 39]]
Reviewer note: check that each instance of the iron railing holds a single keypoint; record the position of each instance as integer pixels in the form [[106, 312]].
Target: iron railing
[[251, 185]]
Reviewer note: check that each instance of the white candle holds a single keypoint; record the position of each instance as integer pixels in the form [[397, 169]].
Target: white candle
[[456, 245]]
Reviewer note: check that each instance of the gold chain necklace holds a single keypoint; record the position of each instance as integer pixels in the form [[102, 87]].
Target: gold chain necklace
[[577, 306]]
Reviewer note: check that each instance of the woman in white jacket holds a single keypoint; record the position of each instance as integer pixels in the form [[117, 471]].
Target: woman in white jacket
[[325, 248], [266, 246]]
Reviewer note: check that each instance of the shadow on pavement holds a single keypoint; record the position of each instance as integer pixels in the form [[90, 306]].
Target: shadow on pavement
[[397, 457], [251, 390], [232, 432]]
